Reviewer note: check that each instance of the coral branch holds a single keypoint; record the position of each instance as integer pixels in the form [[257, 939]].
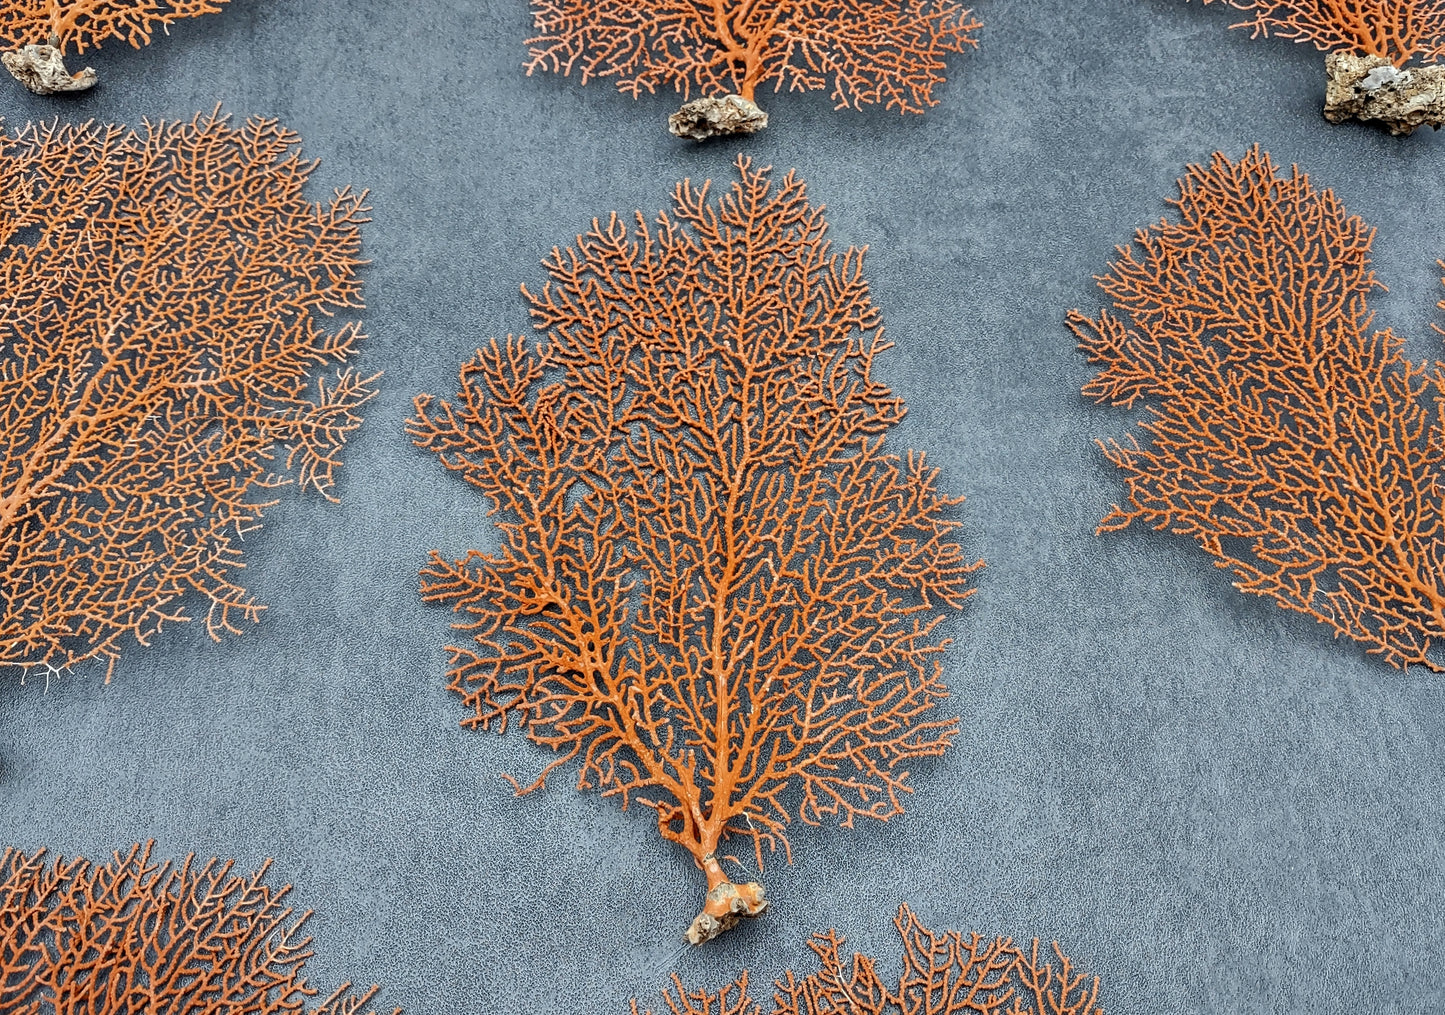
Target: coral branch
[[887, 52], [718, 592], [85, 24], [42, 30], [1395, 29], [732, 999], [1370, 41]]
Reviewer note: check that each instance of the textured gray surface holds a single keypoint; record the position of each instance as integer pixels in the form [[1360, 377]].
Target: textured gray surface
[[1211, 803]]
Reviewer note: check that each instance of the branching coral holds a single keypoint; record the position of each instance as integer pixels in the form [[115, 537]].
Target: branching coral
[[944, 973], [887, 52], [43, 30], [85, 24], [718, 592], [159, 350], [1395, 29], [1299, 447], [136, 935], [1370, 41]]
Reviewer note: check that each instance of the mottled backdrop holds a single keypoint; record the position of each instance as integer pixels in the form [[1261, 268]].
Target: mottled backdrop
[[1210, 802]]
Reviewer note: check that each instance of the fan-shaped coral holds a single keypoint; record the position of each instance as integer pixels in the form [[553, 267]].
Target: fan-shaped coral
[[162, 294], [1395, 29], [887, 52], [85, 24], [1297, 445], [719, 591], [137, 935], [1370, 41], [43, 30], [944, 973]]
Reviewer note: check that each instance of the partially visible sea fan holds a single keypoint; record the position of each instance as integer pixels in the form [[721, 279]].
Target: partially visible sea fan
[[1298, 446], [85, 24], [944, 973], [166, 298], [1395, 29], [136, 935]]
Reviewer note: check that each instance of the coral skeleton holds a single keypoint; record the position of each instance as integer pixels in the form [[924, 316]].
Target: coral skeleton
[[42, 31], [718, 592], [868, 52], [943, 973], [1369, 43], [1294, 442], [139, 935], [166, 298]]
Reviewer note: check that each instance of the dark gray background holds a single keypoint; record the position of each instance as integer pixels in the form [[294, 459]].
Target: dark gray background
[[1212, 804]]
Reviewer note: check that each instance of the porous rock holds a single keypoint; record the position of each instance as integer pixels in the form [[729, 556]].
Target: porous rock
[[726, 905], [41, 68], [1371, 88], [701, 119]]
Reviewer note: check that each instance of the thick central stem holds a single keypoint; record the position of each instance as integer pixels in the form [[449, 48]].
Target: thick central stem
[[56, 23], [742, 46], [714, 871]]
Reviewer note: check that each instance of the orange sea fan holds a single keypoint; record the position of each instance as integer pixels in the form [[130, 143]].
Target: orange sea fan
[[719, 591], [1298, 446], [162, 299], [85, 24], [1394, 29], [887, 52], [944, 973], [137, 935]]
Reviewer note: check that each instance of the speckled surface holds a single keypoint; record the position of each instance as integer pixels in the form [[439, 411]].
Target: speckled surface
[[1211, 803]]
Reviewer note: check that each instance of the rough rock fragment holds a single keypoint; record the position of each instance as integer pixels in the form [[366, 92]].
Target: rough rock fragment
[[725, 906], [701, 119], [41, 68], [1371, 88]]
